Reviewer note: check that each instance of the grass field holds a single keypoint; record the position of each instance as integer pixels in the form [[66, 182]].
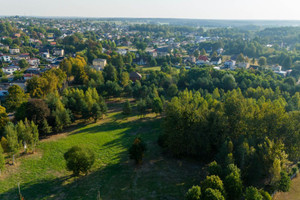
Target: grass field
[[157, 68], [43, 175], [293, 194]]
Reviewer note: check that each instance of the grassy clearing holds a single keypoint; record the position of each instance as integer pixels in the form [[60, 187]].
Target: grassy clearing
[[157, 68], [293, 194], [43, 174]]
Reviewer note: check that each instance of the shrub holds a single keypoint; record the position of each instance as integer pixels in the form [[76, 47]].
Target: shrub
[[79, 160], [137, 149], [193, 193]]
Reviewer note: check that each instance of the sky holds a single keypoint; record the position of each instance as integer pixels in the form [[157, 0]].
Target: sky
[[193, 9]]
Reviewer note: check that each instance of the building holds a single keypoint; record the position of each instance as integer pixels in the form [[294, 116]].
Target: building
[[5, 58], [99, 64], [59, 52], [276, 68], [34, 61], [134, 76], [229, 64], [14, 51], [202, 60], [152, 53], [243, 65], [10, 70], [216, 60]]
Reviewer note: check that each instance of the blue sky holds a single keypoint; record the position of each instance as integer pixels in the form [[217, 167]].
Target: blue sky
[[197, 9]]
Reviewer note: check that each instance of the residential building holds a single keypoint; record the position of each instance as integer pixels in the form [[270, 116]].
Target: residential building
[[99, 64], [244, 65], [10, 70], [134, 76], [5, 58], [59, 52], [229, 64], [14, 51], [216, 60]]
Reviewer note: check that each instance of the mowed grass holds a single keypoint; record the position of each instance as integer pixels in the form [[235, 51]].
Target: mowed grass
[[157, 68], [43, 175], [293, 194]]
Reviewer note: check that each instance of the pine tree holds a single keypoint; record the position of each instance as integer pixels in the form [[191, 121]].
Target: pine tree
[[127, 108]]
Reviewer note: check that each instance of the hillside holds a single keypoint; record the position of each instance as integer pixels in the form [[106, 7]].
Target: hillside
[[43, 175]]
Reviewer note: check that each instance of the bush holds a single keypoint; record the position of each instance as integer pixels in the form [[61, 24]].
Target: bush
[[137, 149], [79, 160], [285, 182], [211, 194], [193, 193]]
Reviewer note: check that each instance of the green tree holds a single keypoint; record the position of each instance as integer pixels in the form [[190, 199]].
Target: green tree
[[214, 169], [127, 108], [193, 193], [23, 63], [11, 135], [16, 96], [233, 186], [240, 58], [3, 117], [213, 194], [285, 182], [229, 82], [252, 193], [124, 78], [172, 90], [137, 150], [213, 182], [45, 129], [141, 107], [157, 105], [203, 52], [262, 61], [96, 112], [79, 160], [2, 160]]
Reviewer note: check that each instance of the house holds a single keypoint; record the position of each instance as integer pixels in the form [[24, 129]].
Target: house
[[229, 64], [141, 62], [220, 51], [202, 60], [59, 52], [17, 35], [216, 60], [32, 70], [25, 56], [134, 76], [244, 65], [14, 51], [10, 70], [276, 68], [34, 61], [45, 55], [29, 76], [152, 53], [122, 52], [99, 64], [163, 51], [5, 58], [4, 47]]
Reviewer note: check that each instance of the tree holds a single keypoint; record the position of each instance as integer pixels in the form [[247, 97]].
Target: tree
[[203, 52], [233, 186], [79, 160], [124, 78], [3, 117], [240, 58], [285, 182], [23, 63], [229, 82], [213, 182], [127, 108], [157, 105], [212, 194], [193, 193], [45, 129], [214, 55], [141, 106], [16, 96], [172, 90], [196, 53], [214, 169], [262, 61], [96, 112], [137, 150], [2, 160], [12, 139], [252, 193]]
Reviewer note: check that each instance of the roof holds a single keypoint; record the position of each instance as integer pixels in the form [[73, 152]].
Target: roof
[[135, 75], [205, 58], [99, 60], [214, 59]]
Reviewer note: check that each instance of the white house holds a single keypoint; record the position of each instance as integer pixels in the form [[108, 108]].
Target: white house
[[34, 61], [14, 51], [99, 64], [276, 68], [216, 60], [59, 52], [5, 58], [10, 69], [243, 65], [229, 64], [122, 51]]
